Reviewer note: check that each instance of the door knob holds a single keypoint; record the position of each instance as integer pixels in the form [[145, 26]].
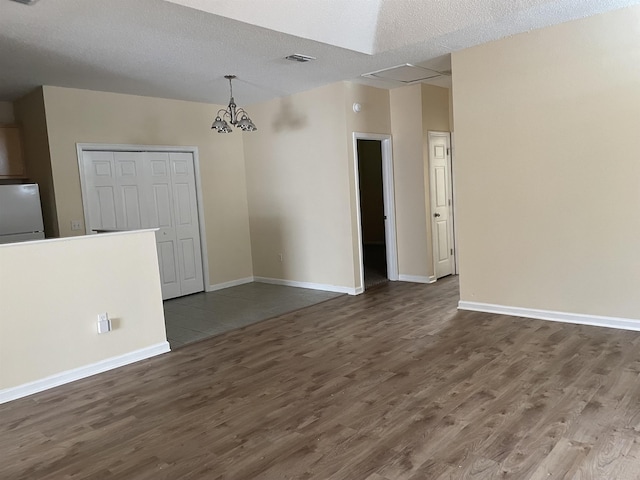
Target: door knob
[[436, 215]]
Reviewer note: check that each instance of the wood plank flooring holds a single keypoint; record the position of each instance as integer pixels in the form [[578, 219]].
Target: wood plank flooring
[[392, 384]]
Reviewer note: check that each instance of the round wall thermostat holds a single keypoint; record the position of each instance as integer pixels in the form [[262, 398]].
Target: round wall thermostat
[[357, 107]]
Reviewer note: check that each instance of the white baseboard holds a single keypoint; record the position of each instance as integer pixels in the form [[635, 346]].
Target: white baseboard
[[416, 278], [13, 393], [312, 286], [232, 283], [582, 319]]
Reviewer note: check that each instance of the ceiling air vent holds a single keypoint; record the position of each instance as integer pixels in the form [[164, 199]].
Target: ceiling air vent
[[406, 73], [26, 2], [297, 57]]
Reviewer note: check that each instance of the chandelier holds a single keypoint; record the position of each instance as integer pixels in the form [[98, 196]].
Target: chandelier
[[232, 115]]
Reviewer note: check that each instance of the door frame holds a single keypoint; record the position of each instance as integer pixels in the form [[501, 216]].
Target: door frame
[[388, 193], [453, 192], [452, 217], [108, 147]]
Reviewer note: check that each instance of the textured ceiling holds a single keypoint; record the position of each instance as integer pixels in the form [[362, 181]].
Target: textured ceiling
[[183, 48]]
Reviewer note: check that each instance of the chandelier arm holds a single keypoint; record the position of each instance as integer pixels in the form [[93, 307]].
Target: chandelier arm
[[231, 110]]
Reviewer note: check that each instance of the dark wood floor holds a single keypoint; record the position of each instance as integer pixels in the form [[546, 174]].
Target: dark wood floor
[[392, 384]]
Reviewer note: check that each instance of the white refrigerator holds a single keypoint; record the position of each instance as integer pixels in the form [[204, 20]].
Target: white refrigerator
[[20, 213]]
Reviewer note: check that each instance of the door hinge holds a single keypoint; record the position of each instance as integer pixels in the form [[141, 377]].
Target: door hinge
[[452, 251], [447, 150]]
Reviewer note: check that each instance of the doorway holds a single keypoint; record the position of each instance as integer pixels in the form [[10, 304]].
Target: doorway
[[372, 219], [128, 188], [376, 212], [441, 188]]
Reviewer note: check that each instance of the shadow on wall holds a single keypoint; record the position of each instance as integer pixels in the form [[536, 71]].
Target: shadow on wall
[[288, 118], [268, 249]]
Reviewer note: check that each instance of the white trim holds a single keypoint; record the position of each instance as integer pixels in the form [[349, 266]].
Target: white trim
[[455, 195], [564, 317], [312, 286], [201, 226], [232, 283], [416, 278], [86, 147], [13, 393], [389, 204]]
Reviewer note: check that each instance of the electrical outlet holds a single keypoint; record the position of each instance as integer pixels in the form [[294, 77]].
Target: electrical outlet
[[76, 225], [104, 323]]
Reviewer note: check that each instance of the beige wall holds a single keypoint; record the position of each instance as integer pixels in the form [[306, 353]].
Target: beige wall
[[451, 128], [301, 182], [301, 179], [82, 116], [30, 115], [547, 167], [6, 112], [414, 252], [298, 188], [375, 117], [435, 109], [49, 318]]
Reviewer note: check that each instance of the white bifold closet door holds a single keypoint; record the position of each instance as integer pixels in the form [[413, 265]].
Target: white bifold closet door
[[131, 190]]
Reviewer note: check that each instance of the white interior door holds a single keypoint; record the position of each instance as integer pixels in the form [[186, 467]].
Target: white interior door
[[441, 203], [187, 228], [132, 190], [161, 203], [114, 190]]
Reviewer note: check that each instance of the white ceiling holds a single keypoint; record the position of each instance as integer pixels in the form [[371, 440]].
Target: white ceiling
[[183, 48]]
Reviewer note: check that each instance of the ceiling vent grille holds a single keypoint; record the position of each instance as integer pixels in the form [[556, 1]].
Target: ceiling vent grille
[[26, 2], [406, 73], [297, 57]]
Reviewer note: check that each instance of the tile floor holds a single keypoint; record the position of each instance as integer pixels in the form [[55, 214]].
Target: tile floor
[[202, 315]]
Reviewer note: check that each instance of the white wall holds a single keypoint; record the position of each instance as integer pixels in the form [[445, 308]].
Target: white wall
[[51, 292]]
